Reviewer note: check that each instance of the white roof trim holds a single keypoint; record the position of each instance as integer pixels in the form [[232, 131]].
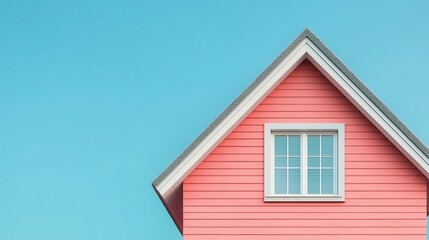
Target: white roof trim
[[368, 108], [305, 49], [233, 119]]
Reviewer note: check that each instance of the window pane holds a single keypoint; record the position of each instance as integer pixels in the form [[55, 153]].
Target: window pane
[[327, 161], [294, 161], [327, 181], [294, 181], [294, 145], [280, 145], [314, 162], [280, 162], [313, 145], [327, 145], [313, 181], [280, 181]]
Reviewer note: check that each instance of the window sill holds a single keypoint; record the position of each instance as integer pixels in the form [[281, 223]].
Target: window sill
[[304, 198]]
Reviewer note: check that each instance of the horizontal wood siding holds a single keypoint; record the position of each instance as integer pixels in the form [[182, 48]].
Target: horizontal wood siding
[[223, 197]]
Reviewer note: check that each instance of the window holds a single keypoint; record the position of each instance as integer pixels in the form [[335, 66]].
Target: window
[[304, 162]]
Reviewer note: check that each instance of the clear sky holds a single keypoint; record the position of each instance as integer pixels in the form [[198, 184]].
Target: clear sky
[[98, 97]]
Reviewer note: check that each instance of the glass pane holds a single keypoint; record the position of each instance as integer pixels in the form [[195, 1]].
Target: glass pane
[[280, 162], [313, 145], [327, 181], [280, 181], [294, 181], [327, 161], [294, 161], [314, 162], [327, 146], [313, 181], [280, 145], [294, 145]]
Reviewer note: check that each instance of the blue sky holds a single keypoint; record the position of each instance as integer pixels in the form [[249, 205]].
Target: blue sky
[[98, 97]]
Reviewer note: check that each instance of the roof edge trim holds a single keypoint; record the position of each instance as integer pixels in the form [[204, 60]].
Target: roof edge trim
[[340, 65], [231, 107]]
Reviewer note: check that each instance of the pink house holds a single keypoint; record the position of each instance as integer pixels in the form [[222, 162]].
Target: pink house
[[307, 151]]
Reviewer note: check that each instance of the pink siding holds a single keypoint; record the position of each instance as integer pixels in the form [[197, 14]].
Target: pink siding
[[385, 193]]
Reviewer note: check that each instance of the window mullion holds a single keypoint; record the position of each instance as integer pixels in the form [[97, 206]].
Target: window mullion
[[287, 164], [304, 164], [320, 164]]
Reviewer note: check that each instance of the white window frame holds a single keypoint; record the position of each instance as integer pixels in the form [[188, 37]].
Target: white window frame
[[270, 130]]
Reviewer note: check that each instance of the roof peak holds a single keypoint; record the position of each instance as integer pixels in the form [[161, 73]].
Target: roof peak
[[306, 33]]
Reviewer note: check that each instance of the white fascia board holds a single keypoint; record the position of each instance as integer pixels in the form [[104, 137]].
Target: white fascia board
[[234, 118], [368, 108]]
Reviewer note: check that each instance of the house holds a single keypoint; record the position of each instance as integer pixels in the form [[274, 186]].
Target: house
[[307, 151]]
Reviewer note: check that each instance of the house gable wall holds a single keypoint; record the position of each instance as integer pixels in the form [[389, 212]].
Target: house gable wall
[[223, 198]]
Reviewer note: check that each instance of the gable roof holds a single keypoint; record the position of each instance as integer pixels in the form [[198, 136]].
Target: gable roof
[[306, 45]]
